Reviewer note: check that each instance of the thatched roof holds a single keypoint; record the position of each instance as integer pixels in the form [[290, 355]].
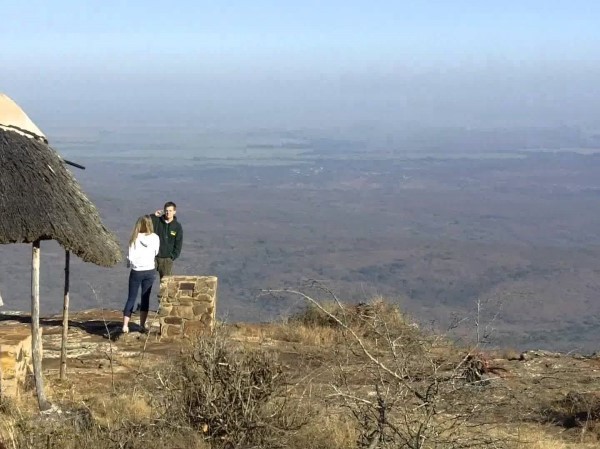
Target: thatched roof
[[40, 199]]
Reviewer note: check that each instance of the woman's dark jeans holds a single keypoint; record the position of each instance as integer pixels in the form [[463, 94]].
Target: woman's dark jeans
[[138, 279]]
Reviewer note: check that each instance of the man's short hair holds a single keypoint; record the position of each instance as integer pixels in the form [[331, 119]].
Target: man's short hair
[[170, 204]]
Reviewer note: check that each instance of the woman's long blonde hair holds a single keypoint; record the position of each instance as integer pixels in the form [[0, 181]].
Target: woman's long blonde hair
[[143, 225]]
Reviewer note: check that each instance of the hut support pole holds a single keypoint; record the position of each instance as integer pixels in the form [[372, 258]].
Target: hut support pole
[[65, 323], [36, 340]]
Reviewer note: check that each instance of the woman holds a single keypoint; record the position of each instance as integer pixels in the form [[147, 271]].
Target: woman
[[143, 248]]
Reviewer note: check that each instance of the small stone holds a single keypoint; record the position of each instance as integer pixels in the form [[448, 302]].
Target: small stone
[[173, 331], [173, 320], [200, 309], [165, 310], [186, 312]]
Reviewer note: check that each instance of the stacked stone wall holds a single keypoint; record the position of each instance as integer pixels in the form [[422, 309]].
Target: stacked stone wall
[[15, 358], [187, 305]]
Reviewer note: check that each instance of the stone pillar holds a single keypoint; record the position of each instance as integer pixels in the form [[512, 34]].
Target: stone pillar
[[187, 305]]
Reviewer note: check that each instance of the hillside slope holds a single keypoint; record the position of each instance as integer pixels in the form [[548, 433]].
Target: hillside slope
[[535, 399]]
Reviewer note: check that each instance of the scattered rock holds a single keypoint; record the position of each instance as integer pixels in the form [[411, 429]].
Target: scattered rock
[[540, 353]]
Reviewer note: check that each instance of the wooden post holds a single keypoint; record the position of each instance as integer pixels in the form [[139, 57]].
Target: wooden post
[[36, 340], [65, 323]]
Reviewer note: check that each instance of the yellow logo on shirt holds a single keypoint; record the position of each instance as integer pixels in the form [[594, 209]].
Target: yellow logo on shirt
[[173, 233]]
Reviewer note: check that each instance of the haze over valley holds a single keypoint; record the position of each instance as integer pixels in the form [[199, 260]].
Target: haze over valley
[[435, 219]]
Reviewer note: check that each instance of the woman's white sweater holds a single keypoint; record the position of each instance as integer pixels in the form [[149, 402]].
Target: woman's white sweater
[[143, 251]]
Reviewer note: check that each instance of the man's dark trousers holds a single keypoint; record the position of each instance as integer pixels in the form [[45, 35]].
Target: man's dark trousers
[[164, 265]]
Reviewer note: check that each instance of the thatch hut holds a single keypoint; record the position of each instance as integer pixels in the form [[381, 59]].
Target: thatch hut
[[41, 200]]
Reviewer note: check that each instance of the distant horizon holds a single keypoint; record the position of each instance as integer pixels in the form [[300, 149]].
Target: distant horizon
[[248, 65]]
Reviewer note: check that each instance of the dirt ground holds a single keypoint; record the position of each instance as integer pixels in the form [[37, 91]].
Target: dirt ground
[[552, 398]]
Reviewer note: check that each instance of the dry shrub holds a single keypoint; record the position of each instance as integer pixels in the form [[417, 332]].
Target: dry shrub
[[117, 410], [403, 387], [540, 440], [7, 432], [330, 430], [63, 437], [365, 318], [9, 415], [313, 316], [110, 421], [577, 411], [64, 430], [71, 431], [296, 332], [476, 365], [531, 436], [232, 394]]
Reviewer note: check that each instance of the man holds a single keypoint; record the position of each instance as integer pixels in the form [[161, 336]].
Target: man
[[170, 233]]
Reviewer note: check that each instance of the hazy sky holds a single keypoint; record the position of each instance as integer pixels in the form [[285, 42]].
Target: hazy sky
[[303, 63]]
